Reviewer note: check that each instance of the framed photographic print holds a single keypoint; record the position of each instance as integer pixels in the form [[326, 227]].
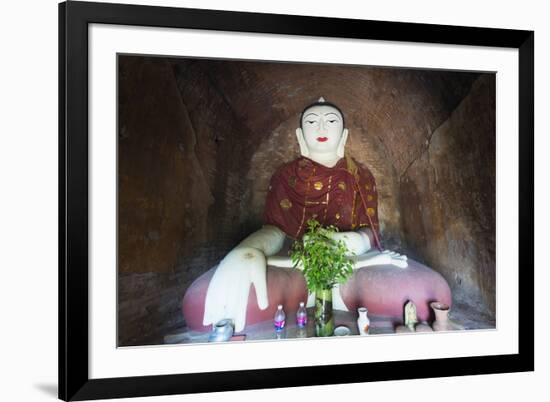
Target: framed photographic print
[[258, 200]]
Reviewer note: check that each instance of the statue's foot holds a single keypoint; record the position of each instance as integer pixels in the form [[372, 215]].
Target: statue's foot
[[385, 257], [399, 260]]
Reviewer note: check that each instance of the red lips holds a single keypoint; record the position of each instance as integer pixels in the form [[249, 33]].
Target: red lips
[[322, 139]]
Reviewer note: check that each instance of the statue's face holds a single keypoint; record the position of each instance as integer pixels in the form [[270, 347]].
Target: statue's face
[[322, 127]]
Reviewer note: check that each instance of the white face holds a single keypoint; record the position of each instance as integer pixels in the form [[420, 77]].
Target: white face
[[322, 127]]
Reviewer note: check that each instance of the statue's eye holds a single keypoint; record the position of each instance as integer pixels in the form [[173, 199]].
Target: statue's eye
[[310, 121], [332, 121]]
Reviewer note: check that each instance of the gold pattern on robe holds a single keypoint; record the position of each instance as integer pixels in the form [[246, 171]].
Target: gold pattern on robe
[[337, 215], [318, 185], [367, 187], [370, 211], [352, 167], [342, 186], [369, 197], [285, 203], [315, 202], [353, 216], [328, 197], [305, 199], [292, 181]]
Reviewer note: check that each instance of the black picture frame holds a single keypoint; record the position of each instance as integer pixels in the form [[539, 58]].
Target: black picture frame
[[74, 18]]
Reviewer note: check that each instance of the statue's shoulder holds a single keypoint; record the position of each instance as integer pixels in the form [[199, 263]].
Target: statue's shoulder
[[288, 168], [358, 169]]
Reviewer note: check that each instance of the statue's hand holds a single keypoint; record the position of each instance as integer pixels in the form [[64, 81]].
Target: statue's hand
[[227, 295]]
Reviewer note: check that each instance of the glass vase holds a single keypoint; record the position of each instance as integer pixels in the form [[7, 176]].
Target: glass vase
[[324, 320]]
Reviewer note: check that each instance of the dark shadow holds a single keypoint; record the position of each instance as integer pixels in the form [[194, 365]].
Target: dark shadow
[[48, 389]]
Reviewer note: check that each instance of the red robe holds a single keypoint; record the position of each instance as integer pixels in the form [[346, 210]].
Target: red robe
[[344, 196]]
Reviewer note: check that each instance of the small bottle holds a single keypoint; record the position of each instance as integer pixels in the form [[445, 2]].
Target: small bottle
[[301, 316], [363, 322], [279, 320]]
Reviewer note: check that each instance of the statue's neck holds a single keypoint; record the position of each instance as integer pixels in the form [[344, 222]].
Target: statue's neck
[[327, 160]]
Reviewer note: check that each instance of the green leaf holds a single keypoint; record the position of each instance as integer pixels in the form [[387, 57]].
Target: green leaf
[[323, 259]]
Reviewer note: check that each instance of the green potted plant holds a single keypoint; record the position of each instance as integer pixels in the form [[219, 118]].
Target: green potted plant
[[324, 264]]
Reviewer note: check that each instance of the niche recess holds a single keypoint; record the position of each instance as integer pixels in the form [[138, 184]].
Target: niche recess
[[199, 140]]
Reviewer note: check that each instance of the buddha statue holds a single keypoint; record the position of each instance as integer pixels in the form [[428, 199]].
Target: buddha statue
[[326, 185]]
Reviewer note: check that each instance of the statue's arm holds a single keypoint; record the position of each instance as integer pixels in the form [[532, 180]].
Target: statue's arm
[[269, 240], [357, 242]]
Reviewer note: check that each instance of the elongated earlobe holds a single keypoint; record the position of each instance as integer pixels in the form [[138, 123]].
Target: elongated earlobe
[[342, 145], [304, 150]]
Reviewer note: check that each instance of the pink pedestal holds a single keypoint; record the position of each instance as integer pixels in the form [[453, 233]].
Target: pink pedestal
[[384, 290]]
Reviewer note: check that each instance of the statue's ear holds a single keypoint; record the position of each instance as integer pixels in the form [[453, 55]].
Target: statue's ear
[[304, 150], [342, 144]]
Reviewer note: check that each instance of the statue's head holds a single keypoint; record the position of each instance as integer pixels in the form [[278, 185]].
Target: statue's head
[[321, 132]]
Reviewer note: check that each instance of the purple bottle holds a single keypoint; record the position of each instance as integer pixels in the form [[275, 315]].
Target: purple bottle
[[280, 317], [301, 316]]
